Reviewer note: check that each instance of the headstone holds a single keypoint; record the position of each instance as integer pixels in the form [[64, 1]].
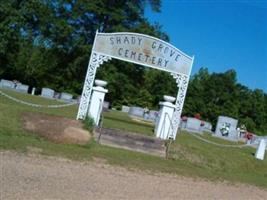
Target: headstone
[[22, 88], [256, 139], [79, 99], [206, 126], [106, 105], [183, 121], [152, 115], [33, 91], [66, 96], [136, 111], [125, 109], [261, 150], [48, 93], [182, 124], [193, 124], [7, 84], [226, 127], [57, 95]]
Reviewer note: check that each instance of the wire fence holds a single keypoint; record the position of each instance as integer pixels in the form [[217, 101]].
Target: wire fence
[[35, 105], [217, 144], [73, 103]]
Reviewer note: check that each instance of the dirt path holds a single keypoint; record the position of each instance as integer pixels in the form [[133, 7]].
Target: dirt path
[[48, 178]]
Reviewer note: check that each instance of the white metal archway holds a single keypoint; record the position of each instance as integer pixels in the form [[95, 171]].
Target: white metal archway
[[143, 50]]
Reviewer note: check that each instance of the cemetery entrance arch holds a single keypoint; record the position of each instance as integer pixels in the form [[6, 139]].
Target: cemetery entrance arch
[[143, 50]]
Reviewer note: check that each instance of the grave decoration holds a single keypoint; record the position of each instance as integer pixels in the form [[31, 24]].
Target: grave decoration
[[227, 128]]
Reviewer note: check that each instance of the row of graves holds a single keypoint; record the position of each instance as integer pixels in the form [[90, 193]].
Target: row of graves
[[226, 127], [191, 124], [45, 92]]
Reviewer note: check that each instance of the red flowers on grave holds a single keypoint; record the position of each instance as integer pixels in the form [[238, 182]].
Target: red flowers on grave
[[248, 135], [197, 116]]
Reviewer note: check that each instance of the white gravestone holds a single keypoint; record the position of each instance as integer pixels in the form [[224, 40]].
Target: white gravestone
[[206, 126], [183, 123], [256, 140], [97, 100], [66, 96], [57, 95], [136, 111], [125, 109], [153, 114], [193, 125], [106, 105], [33, 91], [7, 84], [164, 127], [48, 93], [226, 127], [261, 150], [22, 88]]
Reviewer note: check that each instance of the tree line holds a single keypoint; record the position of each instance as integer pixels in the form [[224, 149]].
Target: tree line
[[47, 43]]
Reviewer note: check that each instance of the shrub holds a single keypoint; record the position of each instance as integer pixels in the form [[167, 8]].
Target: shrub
[[89, 123]]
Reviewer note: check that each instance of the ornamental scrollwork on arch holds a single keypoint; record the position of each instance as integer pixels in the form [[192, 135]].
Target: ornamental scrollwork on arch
[[178, 78], [182, 83], [95, 62]]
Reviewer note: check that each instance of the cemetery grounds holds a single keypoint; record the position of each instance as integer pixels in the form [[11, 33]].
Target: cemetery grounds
[[189, 157]]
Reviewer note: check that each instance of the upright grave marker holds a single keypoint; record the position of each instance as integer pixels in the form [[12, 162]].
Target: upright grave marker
[[143, 50]]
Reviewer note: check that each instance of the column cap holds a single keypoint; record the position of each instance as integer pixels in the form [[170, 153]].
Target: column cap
[[100, 89], [167, 104]]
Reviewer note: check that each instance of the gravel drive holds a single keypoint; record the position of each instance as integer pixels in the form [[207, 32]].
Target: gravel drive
[[33, 176]]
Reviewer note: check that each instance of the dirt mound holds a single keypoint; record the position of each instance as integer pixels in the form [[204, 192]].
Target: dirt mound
[[56, 129]]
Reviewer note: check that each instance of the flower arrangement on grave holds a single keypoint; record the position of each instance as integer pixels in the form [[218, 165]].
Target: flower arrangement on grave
[[243, 128], [225, 129], [248, 135], [197, 116]]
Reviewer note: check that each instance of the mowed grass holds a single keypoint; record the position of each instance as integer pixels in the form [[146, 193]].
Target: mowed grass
[[188, 156], [122, 121]]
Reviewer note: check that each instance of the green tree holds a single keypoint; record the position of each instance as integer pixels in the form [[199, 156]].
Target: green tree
[[217, 94]]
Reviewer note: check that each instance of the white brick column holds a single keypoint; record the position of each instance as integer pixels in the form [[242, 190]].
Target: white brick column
[[164, 126], [98, 96]]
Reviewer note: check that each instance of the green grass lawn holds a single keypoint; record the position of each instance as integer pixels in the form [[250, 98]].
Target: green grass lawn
[[122, 121], [188, 155]]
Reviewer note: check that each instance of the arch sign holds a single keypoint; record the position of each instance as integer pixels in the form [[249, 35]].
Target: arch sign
[[143, 50]]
